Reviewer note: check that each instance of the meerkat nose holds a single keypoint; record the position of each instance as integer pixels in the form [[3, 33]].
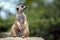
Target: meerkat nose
[[26, 6]]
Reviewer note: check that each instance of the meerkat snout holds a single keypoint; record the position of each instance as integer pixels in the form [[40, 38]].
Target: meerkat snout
[[21, 8]]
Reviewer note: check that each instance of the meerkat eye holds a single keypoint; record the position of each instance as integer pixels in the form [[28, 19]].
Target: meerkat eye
[[22, 6], [17, 8]]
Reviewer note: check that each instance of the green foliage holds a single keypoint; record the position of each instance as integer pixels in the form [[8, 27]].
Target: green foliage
[[7, 23]]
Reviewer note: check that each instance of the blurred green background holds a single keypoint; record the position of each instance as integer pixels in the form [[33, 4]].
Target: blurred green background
[[43, 17]]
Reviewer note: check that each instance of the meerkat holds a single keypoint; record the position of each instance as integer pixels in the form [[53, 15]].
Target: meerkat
[[20, 27]]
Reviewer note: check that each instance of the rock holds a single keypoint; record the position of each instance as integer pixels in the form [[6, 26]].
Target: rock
[[4, 34], [19, 38], [7, 36]]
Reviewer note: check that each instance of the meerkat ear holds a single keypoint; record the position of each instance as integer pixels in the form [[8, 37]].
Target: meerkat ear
[[17, 9]]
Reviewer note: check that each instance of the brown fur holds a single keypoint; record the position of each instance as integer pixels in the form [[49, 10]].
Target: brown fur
[[20, 29]]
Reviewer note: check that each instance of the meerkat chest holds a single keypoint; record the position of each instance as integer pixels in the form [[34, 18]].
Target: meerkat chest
[[20, 18]]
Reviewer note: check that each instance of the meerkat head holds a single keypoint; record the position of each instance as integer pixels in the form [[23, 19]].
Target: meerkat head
[[21, 8]]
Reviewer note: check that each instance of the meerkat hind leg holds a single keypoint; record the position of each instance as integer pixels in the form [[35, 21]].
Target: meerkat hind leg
[[13, 31]]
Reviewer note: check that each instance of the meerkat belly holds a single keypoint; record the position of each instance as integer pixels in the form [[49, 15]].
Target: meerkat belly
[[21, 19]]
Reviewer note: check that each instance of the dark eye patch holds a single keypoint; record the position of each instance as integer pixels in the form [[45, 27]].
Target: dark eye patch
[[22, 6], [17, 9]]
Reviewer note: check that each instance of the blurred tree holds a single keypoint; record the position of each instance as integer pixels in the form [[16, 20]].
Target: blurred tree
[[0, 10]]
